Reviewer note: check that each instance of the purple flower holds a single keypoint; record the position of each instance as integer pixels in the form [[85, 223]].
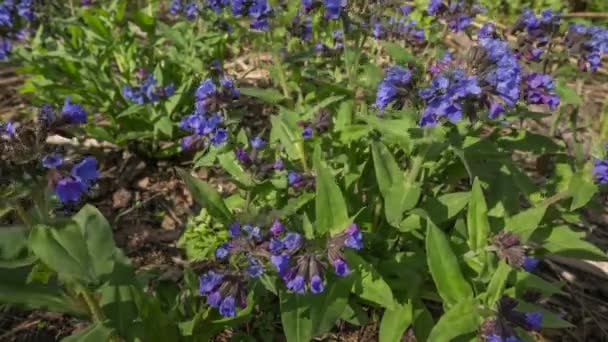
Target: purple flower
[[278, 164], [355, 238], [276, 228], [294, 178], [280, 262], [5, 48], [434, 6], [191, 11], [209, 281], [69, 190], [234, 229], [5, 16], [73, 113], [9, 128], [205, 90], [307, 133], [395, 81], [253, 232], [24, 10], [187, 142], [539, 89], [214, 299], [533, 320], [222, 251], [228, 308], [341, 267], [257, 143], [275, 246], [52, 161], [316, 284], [333, 8], [600, 171], [296, 284], [255, 268], [292, 241], [530, 263], [219, 137], [217, 5], [86, 171]]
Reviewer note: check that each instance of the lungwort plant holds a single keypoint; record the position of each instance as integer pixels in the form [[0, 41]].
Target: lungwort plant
[[378, 174]]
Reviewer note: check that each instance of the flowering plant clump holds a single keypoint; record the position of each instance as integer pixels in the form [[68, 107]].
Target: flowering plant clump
[[359, 162]]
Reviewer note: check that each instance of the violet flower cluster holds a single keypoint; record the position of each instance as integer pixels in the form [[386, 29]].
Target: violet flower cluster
[[600, 171], [510, 248], [296, 262], [320, 124], [70, 114], [398, 28], [333, 8], [394, 87], [338, 45], [10, 13], [259, 11], [204, 123], [71, 187], [301, 27], [501, 328], [255, 159], [147, 91], [538, 32], [458, 14], [189, 9], [589, 43]]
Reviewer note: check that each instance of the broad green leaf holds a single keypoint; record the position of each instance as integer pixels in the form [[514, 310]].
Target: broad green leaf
[[295, 204], [230, 164], [13, 242], [63, 249], [400, 198], [345, 115], [95, 24], [582, 191], [328, 306], [497, 284], [268, 95], [369, 284], [387, 170], [289, 140], [566, 93], [445, 206], [478, 227], [399, 53], [525, 222], [354, 314], [205, 195], [394, 322], [118, 304], [323, 104], [330, 207], [462, 318], [95, 332], [444, 267], [295, 316], [146, 22], [98, 236], [562, 240], [423, 321]]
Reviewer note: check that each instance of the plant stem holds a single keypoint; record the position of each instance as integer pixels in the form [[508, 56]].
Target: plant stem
[[94, 309], [23, 215], [555, 198]]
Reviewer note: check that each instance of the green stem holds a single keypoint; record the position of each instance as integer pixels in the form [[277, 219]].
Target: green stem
[[23, 215], [94, 309], [417, 163], [555, 198]]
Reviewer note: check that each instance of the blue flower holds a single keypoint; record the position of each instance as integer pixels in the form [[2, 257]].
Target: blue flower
[[533, 320], [9, 128], [316, 284], [434, 6], [191, 11], [234, 229], [333, 8], [69, 190], [255, 268], [228, 308], [187, 142], [307, 133], [292, 241], [257, 143], [52, 161], [214, 299], [86, 171], [280, 262], [24, 10], [5, 48], [276, 228], [341, 267], [73, 113], [396, 78], [219, 137], [294, 178], [275, 246], [253, 232], [210, 281], [296, 284], [5, 16], [205, 90], [222, 251], [217, 5], [355, 238], [133, 95], [600, 171], [529, 263]]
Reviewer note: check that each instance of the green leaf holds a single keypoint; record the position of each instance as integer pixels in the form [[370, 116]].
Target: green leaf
[[118, 304], [387, 170], [497, 284], [401, 197], [423, 321], [63, 249], [146, 22], [95, 332], [566, 93], [229, 163], [98, 236], [394, 322], [295, 316], [330, 207], [355, 314], [399, 54], [525, 222], [328, 306], [582, 191], [289, 140], [91, 18], [562, 240], [294, 204], [550, 320], [478, 227], [444, 267], [268, 95], [462, 318], [205, 195], [323, 104], [369, 284]]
